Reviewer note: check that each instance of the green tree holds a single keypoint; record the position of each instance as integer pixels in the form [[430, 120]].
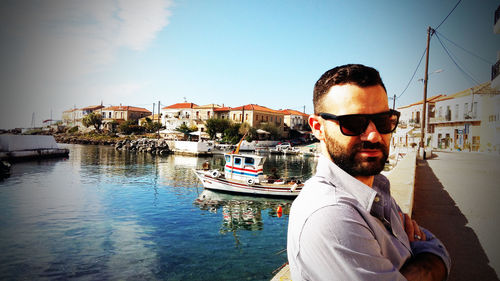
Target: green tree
[[216, 125], [150, 126], [93, 119], [274, 131], [186, 130], [232, 133], [251, 132], [130, 126]]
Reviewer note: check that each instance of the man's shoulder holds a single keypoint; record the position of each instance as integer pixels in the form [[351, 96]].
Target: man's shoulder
[[317, 194]]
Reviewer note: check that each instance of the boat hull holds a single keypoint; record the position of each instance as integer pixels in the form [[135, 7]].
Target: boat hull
[[236, 186]]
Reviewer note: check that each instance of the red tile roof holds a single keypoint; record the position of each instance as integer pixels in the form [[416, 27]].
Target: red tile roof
[[222, 109], [256, 107], [181, 105], [294, 112], [127, 108], [92, 107]]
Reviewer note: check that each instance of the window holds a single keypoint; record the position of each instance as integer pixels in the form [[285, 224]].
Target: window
[[249, 161], [234, 116], [246, 116], [474, 110], [456, 111], [208, 115], [440, 111], [228, 158], [237, 161]]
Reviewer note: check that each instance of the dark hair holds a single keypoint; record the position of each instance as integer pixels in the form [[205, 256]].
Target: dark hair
[[357, 74]]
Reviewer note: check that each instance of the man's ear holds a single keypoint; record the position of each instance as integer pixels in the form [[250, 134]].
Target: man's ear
[[316, 127]]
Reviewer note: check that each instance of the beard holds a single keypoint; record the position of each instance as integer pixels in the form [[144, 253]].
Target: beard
[[348, 159]]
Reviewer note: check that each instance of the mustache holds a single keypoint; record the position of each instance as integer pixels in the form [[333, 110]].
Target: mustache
[[371, 145]]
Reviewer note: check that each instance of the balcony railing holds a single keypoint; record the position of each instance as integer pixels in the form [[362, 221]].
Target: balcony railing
[[495, 70]]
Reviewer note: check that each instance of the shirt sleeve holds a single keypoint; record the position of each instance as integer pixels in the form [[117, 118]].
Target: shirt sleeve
[[431, 245], [343, 248]]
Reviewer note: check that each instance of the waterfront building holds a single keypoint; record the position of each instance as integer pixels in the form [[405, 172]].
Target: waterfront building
[[296, 120], [119, 114], [222, 112], [176, 114], [257, 116], [73, 117], [69, 117]]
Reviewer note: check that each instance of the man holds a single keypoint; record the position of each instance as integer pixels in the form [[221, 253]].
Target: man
[[344, 225]]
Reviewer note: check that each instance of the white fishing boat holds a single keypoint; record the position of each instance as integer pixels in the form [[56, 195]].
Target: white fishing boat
[[244, 174]]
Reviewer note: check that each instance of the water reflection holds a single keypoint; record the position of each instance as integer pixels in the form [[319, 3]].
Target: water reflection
[[240, 212]]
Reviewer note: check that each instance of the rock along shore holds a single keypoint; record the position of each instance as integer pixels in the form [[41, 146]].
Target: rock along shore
[[153, 146]]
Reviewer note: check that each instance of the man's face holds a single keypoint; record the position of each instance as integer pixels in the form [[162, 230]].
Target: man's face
[[362, 155]]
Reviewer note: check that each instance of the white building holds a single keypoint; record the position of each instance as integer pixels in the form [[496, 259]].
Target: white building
[[176, 114], [467, 120], [409, 130]]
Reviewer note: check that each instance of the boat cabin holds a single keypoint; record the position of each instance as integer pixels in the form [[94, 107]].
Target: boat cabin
[[244, 167]]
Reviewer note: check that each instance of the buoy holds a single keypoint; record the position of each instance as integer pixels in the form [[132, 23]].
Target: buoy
[[279, 211], [250, 181], [215, 174]]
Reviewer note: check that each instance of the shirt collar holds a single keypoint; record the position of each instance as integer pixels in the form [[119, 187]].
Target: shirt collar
[[339, 178]]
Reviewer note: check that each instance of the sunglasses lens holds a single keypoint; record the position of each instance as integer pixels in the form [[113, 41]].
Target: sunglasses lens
[[353, 125], [386, 123]]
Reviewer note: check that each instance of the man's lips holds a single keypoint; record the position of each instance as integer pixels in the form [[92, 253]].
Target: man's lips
[[370, 152]]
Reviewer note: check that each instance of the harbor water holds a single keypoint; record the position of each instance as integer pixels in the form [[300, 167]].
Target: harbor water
[[107, 214]]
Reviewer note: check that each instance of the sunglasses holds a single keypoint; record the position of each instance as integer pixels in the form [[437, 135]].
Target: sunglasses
[[356, 124]]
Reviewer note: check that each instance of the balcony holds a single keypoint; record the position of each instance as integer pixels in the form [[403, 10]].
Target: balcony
[[495, 78]]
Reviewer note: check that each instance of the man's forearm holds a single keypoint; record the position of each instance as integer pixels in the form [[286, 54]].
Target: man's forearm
[[425, 266]]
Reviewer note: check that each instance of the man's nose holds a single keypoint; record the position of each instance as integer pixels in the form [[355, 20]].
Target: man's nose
[[371, 134]]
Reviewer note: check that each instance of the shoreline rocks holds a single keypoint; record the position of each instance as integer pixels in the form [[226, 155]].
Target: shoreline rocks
[[153, 146]]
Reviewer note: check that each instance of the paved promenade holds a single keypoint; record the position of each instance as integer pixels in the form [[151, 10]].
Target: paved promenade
[[457, 197]]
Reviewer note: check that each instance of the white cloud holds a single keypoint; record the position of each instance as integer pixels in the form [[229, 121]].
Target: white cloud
[[52, 45]]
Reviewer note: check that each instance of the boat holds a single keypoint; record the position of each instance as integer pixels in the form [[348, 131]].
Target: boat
[[244, 174], [284, 148]]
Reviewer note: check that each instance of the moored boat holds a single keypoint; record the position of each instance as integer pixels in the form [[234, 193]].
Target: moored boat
[[244, 174]]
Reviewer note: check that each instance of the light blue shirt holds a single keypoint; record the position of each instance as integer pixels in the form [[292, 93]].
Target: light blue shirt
[[341, 229]]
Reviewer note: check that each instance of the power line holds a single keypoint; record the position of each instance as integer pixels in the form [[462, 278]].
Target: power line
[[456, 5], [456, 64], [470, 52], [413, 76]]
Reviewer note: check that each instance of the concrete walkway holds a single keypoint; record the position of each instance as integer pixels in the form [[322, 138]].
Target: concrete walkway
[[456, 198]]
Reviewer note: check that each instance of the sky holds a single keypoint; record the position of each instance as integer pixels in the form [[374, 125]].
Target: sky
[[58, 55]]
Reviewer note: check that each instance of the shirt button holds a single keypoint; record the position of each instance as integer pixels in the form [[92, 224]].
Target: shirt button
[[377, 199]]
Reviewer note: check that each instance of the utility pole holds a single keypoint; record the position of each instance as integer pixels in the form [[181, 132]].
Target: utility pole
[[158, 118], [394, 102], [430, 32]]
